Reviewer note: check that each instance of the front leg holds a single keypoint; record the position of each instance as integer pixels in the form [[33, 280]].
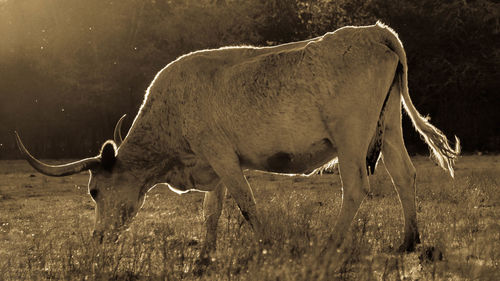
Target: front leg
[[225, 163], [226, 166], [212, 208], [241, 192]]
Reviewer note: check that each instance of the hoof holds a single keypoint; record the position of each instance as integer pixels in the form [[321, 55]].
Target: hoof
[[200, 265], [406, 248], [431, 254], [198, 271], [409, 244]]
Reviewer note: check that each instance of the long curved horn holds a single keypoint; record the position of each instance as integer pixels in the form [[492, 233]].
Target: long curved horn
[[117, 135], [57, 170]]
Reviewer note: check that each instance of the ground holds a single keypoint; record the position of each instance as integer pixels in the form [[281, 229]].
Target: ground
[[45, 226]]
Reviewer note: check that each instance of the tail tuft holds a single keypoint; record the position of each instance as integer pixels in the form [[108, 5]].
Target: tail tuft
[[441, 151]]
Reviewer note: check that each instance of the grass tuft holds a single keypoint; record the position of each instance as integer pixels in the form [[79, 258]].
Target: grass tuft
[[45, 231]]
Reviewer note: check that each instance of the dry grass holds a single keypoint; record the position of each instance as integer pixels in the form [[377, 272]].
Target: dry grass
[[45, 225]]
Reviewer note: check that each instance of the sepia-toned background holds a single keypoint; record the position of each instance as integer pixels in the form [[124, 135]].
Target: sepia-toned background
[[70, 69]]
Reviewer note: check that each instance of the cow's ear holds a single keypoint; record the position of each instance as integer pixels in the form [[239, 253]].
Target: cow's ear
[[108, 155]]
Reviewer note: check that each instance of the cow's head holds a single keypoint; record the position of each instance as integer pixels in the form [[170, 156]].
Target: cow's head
[[116, 191]]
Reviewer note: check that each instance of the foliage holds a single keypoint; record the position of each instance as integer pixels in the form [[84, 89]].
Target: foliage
[[69, 69]]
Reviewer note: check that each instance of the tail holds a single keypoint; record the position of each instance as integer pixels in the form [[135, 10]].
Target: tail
[[441, 150]]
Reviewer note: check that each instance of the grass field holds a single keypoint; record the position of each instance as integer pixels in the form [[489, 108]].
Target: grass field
[[45, 226]]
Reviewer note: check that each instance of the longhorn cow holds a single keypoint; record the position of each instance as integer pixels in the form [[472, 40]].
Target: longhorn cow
[[293, 108]]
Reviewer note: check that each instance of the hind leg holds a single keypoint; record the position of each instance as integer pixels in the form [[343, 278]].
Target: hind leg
[[352, 145], [355, 187], [401, 170]]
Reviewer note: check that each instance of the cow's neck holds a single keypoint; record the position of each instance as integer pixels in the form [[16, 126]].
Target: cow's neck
[[151, 149]]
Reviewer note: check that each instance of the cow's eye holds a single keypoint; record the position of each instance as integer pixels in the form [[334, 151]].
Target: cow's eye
[[93, 193]]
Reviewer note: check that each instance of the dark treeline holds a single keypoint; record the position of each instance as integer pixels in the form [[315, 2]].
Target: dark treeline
[[70, 69]]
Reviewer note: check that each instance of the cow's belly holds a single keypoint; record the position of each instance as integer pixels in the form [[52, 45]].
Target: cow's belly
[[293, 161]]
